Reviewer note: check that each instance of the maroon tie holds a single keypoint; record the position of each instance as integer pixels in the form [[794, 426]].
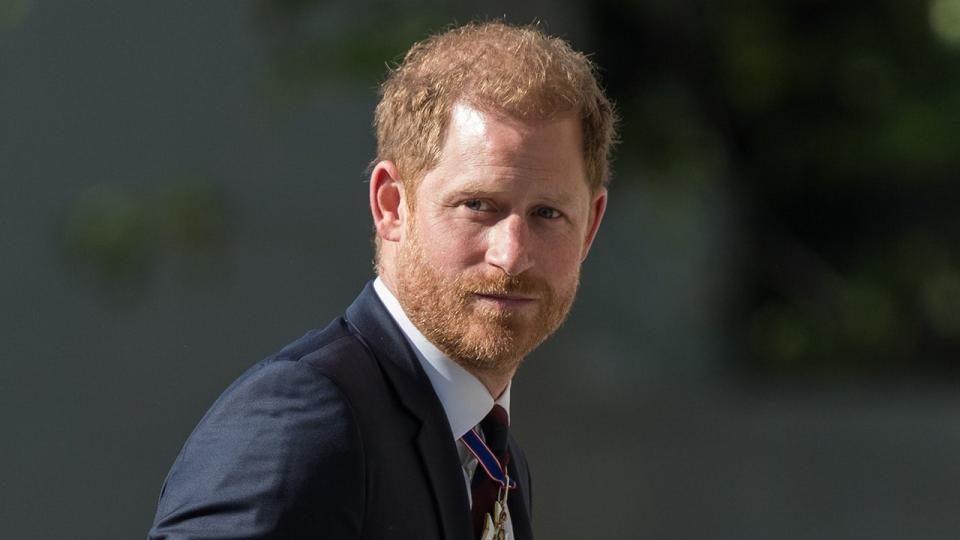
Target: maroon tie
[[484, 489]]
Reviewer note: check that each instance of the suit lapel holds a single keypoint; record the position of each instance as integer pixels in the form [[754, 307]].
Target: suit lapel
[[446, 477], [434, 441]]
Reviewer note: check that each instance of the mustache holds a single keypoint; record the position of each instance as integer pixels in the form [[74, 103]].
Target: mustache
[[503, 284]]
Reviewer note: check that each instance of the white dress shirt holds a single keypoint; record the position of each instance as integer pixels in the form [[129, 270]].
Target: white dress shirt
[[465, 399]]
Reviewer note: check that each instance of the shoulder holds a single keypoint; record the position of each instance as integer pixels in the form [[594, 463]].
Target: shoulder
[[291, 393], [271, 445]]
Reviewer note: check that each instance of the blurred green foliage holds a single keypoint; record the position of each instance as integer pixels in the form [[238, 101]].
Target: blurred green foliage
[[14, 12], [119, 237], [108, 228], [314, 43], [836, 124]]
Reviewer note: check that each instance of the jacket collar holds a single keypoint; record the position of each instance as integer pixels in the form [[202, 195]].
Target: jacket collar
[[374, 326]]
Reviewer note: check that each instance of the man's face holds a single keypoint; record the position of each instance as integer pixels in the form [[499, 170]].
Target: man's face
[[489, 259]]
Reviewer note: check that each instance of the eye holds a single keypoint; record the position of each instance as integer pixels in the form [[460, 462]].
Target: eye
[[547, 213], [478, 205]]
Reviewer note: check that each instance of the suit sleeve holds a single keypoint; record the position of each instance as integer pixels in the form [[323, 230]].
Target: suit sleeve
[[277, 456]]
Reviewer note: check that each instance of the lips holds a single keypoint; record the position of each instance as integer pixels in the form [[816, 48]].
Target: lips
[[515, 297], [509, 299]]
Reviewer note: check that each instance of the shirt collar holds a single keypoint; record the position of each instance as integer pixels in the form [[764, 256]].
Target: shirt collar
[[465, 399]]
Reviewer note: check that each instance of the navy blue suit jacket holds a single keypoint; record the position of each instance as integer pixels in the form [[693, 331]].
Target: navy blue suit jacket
[[339, 435]]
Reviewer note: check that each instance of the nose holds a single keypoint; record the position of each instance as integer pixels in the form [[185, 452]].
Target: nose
[[507, 247]]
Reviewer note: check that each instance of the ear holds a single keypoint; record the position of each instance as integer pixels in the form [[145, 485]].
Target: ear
[[597, 208], [387, 201]]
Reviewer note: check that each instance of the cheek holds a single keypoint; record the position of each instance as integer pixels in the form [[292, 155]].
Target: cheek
[[559, 249], [450, 246], [562, 267]]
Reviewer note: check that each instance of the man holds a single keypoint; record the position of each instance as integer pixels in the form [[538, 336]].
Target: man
[[391, 422]]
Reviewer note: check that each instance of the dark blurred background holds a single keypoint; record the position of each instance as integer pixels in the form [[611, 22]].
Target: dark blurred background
[[767, 342]]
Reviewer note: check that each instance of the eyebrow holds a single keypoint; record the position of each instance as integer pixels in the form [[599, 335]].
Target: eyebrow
[[476, 188]]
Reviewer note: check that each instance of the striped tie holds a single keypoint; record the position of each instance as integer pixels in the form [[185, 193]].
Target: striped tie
[[483, 488]]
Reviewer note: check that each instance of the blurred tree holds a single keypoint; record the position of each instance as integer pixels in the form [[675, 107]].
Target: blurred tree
[[119, 237], [836, 121], [13, 12], [312, 43]]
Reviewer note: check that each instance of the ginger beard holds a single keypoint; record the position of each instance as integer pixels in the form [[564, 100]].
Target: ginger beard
[[478, 336]]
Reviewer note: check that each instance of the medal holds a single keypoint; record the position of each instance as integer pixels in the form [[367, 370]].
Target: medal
[[495, 527]]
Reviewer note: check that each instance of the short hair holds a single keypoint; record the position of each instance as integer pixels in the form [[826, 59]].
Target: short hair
[[493, 67]]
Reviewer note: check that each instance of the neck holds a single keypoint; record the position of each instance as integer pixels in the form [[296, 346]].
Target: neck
[[495, 383]]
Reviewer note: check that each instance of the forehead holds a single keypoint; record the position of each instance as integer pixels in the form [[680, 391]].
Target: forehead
[[496, 141]]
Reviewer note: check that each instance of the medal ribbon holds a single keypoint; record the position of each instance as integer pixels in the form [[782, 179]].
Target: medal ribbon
[[489, 462]]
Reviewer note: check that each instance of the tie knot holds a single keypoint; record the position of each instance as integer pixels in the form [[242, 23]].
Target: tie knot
[[495, 426]]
